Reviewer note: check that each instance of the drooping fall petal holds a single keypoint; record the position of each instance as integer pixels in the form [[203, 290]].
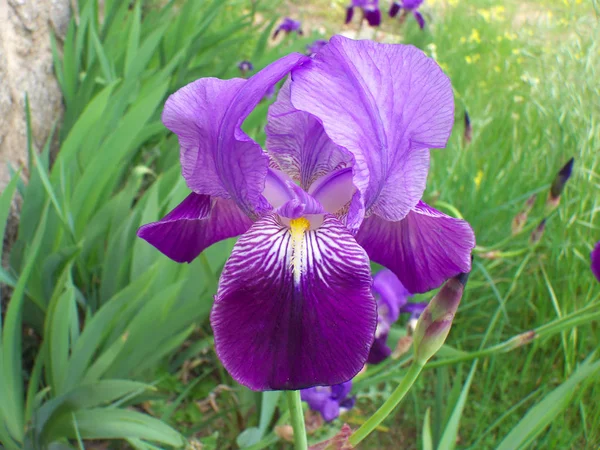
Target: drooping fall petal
[[194, 225], [294, 310], [423, 250]]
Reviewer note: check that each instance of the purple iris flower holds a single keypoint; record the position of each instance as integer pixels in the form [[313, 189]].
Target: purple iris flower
[[245, 66], [339, 183], [595, 256], [409, 6], [288, 25], [315, 46], [370, 10], [329, 401], [391, 296]]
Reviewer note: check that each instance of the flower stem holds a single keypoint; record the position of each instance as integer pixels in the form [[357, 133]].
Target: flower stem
[[297, 415], [388, 406]]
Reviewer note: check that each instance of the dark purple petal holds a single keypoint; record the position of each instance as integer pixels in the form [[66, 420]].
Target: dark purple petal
[[298, 143], [195, 224], [280, 325], [373, 17], [423, 250], [420, 19], [217, 157], [379, 351], [394, 9], [349, 14], [595, 257], [386, 104]]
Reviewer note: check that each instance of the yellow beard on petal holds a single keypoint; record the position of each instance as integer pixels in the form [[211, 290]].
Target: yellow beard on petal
[[297, 229]]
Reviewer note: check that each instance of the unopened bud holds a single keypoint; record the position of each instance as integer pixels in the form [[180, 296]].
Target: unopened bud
[[537, 234], [435, 322], [403, 346], [520, 219], [285, 432], [525, 338], [339, 442], [492, 254], [468, 136], [559, 183]]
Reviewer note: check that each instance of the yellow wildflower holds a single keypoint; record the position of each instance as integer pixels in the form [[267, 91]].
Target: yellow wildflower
[[485, 13], [463, 40], [518, 99], [478, 178], [475, 37], [497, 69]]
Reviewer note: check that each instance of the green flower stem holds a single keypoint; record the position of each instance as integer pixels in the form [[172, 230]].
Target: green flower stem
[[297, 415], [389, 405]]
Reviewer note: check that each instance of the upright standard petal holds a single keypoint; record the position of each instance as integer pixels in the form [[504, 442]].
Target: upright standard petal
[[298, 143], [217, 157], [387, 105], [423, 250], [294, 311], [195, 224]]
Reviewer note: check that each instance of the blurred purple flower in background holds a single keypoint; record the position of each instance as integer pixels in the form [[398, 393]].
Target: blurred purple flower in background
[[288, 25], [329, 401], [408, 6], [345, 167], [245, 66], [595, 257], [315, 46], [370, 11], [392, 300]]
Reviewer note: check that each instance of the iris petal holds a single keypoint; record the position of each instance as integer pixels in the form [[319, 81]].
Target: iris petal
[[279, 328], [595, 257], [379, 351], [195, 224], [423, 250], [386, 104], [298, 143], [217, 157], [392, 294]]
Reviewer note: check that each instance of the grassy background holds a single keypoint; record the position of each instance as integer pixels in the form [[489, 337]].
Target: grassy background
[[99, 306]]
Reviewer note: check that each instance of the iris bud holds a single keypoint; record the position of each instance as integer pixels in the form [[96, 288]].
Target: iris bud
[[468, 136], [537, 234], [435, 322], [559, 183], [520, 219]]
